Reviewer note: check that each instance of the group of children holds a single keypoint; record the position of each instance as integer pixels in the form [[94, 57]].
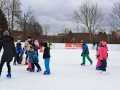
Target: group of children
[[30, 50], [102, 55], [32, 57]]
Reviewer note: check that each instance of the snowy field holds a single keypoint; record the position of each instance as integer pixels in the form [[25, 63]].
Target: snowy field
[[66, 72]]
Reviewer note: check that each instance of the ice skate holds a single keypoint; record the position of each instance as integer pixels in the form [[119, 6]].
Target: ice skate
[[8, 75]]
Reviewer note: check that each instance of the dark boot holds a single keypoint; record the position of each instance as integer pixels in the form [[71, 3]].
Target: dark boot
[[39, 69], [8, 75], [46, 72], [91, 62], [82, 64]]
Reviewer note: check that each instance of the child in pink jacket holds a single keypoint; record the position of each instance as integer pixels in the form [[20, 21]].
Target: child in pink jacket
[[102, 56]]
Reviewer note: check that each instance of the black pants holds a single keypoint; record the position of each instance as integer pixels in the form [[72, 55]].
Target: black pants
[[103, 65], [18, 59], [35, 64], [8, 66]]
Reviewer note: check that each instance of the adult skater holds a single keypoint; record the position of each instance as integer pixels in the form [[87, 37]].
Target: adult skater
[[85, 53], [7, 42], [46, 57], [102, 55]]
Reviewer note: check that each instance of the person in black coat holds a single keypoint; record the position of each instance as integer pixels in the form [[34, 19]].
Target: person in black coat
[[7, 43]]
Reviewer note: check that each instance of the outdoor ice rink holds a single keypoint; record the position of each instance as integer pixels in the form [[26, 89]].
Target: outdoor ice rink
[[66, 72]]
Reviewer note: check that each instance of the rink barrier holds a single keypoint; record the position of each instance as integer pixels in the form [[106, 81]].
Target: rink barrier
[[73, 45]]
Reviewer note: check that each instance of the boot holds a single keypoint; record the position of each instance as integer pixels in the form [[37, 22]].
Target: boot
[[91, 62], [8, 75], [46, 72], [39, 69], [82, 64]]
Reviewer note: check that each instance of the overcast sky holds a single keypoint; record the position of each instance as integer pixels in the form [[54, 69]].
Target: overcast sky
[[57, 14]]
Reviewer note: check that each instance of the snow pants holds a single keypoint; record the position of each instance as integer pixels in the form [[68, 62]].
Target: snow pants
[[86, 56], [102, 66], [47, 65]]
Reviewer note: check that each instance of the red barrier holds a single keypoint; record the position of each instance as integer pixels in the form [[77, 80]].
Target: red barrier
[[73, 45]]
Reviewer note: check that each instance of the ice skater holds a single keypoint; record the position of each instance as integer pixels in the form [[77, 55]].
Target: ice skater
[[102, 55], [7, 42], [26, 48], [85, 53], [33, 58], [46, 57], [19, 53]]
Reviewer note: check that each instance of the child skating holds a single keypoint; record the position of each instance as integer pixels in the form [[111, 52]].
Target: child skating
[[19, 53], [85, 53], [102, 56], [46, 57], [33, 59]]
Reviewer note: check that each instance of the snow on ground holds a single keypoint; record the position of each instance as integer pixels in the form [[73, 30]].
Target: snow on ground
[[66, 72]]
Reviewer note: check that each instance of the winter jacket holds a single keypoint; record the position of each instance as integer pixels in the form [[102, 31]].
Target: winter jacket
[[19, 49], [33, 56], [46, 53], [102, 53], [85, 49], [7, 42]]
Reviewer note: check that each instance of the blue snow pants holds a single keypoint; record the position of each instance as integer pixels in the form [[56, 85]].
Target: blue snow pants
[[47, 66]]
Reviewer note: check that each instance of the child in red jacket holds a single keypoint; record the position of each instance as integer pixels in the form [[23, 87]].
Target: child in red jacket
[[102, 55]]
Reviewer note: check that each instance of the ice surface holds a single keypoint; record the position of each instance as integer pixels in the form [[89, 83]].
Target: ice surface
[[66, 72]]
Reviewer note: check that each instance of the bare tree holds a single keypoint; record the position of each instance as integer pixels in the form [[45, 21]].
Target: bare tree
[[3, 22], [12, 10], [46, 29], [29, 24], [115, 24], [89, 16], [25, 19], [2, 3]]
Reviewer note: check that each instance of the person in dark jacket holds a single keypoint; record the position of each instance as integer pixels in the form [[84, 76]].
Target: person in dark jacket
[[46, 57], [85, 53], [7, 43], [19, 53]]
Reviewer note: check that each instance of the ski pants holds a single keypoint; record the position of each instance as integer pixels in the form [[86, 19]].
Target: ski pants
[[86, 56], [47, 64]]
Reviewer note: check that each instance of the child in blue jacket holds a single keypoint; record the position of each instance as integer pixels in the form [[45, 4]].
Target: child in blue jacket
[[85, 53], [19, 53], [33, 58]]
